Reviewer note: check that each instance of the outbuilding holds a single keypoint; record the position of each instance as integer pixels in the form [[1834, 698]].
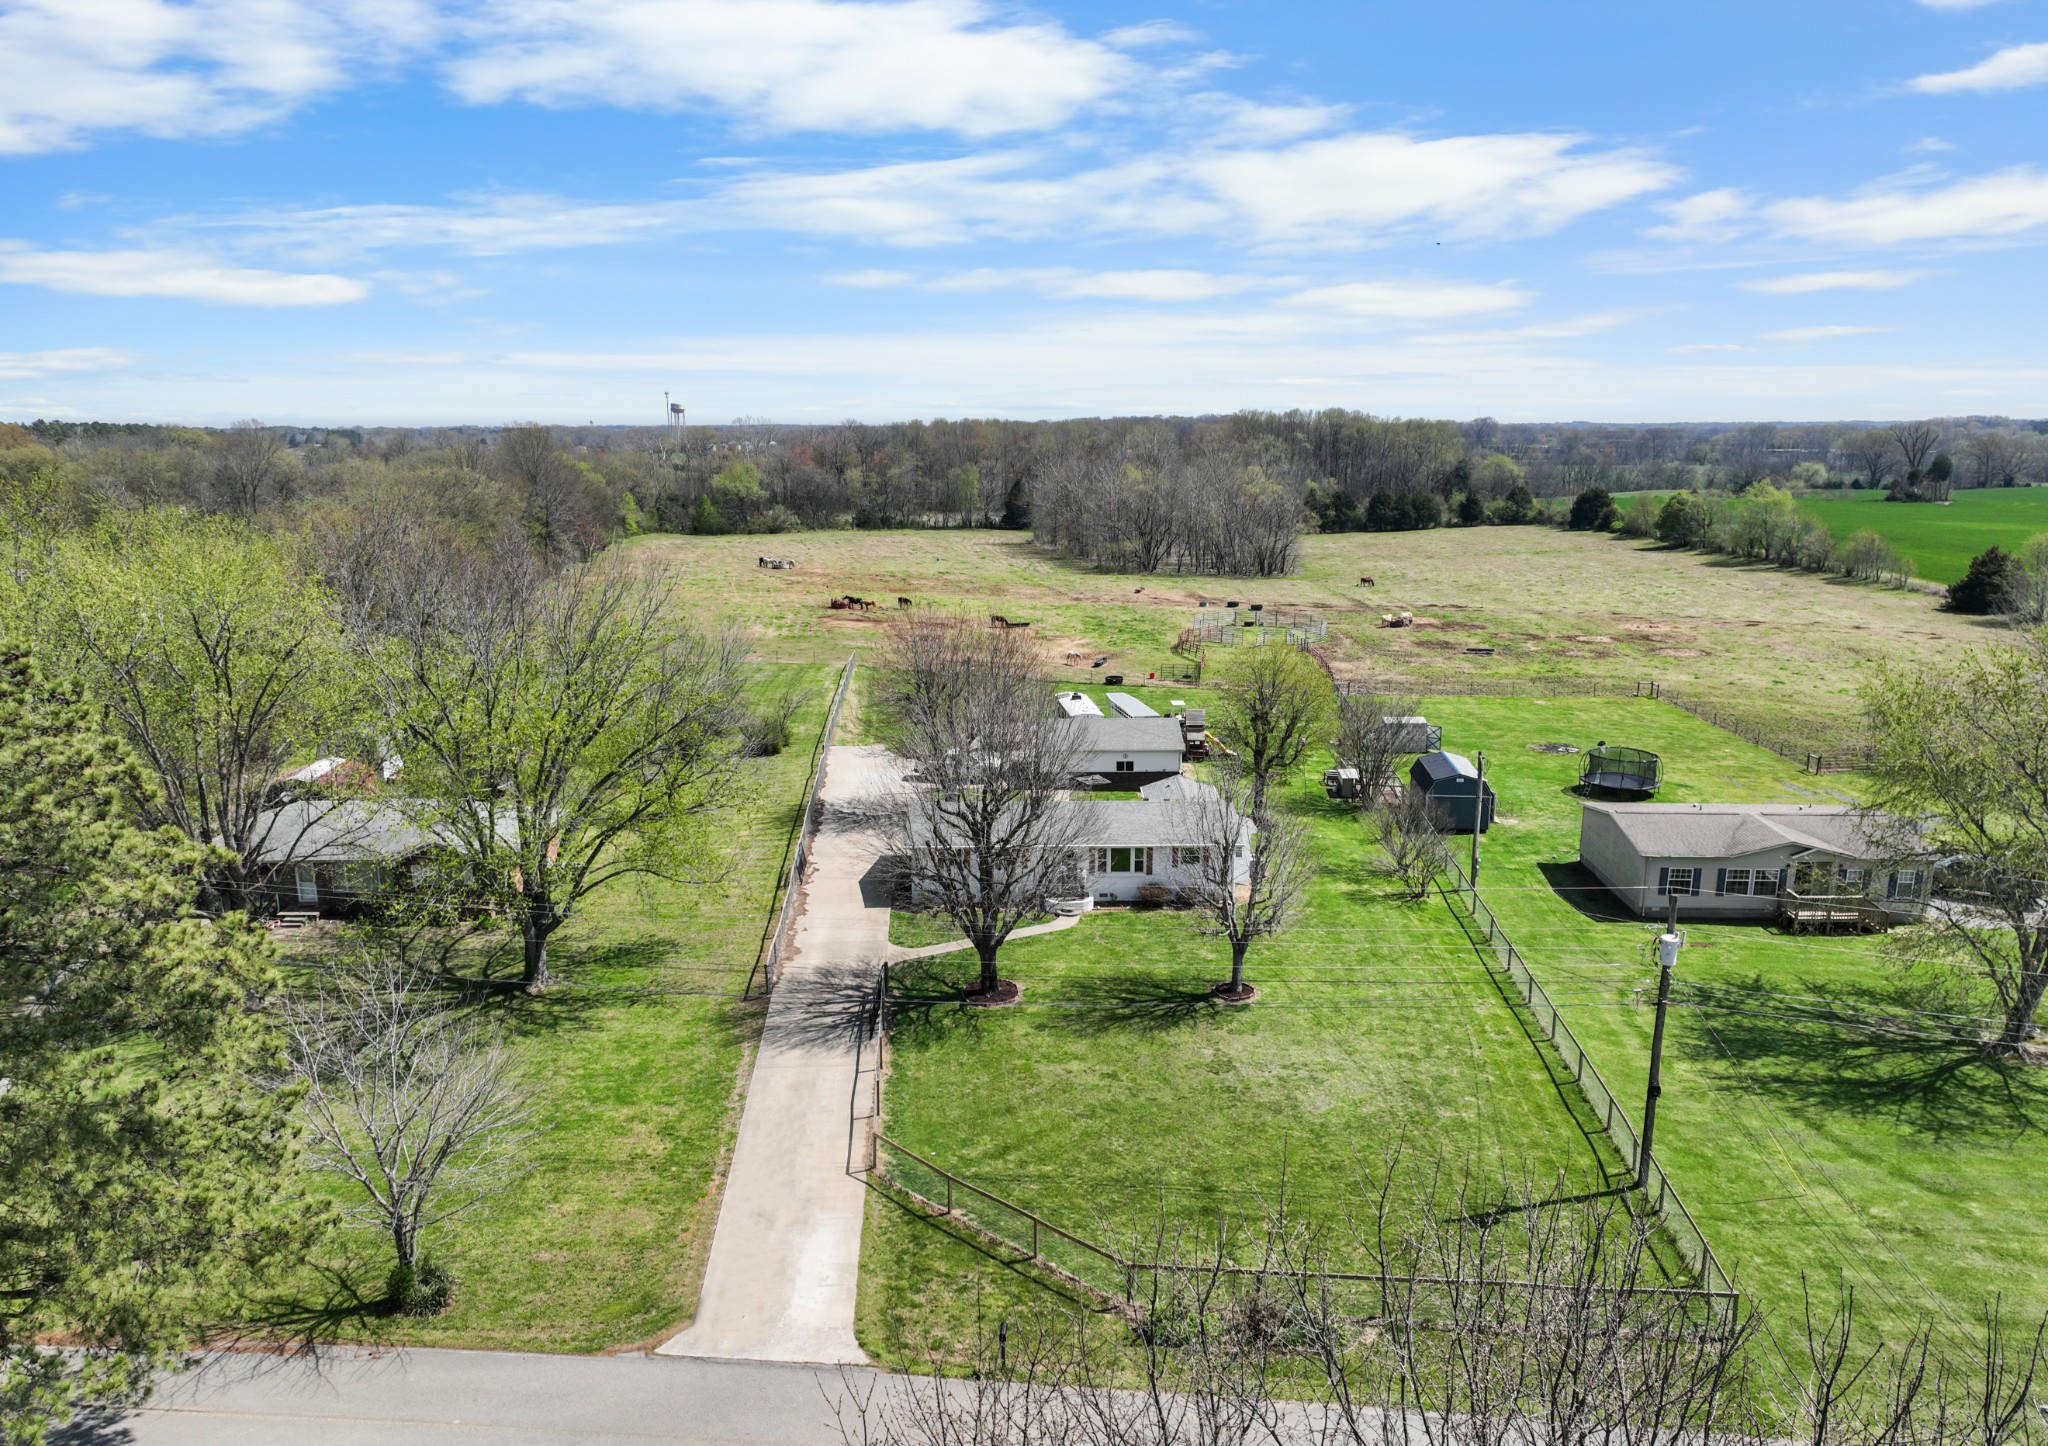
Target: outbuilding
[[1126, 752], [1463, 800]]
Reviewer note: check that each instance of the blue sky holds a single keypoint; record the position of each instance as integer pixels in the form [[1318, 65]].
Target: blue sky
[[336, 211]]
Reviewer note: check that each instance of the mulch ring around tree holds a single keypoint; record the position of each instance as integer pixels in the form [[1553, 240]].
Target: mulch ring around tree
[[1007, 991], [1241, 994]]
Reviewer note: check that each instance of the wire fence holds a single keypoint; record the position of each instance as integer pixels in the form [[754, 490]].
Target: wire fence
[[1124, 1280], [797, 852], [1660, 1196], [1838, 756]]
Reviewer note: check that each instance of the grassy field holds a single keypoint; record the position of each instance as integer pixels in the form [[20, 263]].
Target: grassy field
[[1910, 1165], [1940, 539], [1785, 648], [637, 1054], [1119, 1090]]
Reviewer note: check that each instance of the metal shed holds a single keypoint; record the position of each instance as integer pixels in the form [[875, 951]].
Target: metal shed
[[1125, 706], [1453, 785]]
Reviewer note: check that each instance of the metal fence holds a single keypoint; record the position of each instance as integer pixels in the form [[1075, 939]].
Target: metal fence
[[1842, 757], [1660, 1196], [797, 852]]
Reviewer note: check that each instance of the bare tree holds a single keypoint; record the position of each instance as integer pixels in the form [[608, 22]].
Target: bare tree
[[1411, 836], [986, 832], [250, 466], [1277, 704], [420, 1108], [1916, 443], [1251, 874], [558, 733], [1874, 453], [1372, 737]]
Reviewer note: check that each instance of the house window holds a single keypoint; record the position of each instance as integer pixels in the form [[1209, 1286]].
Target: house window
[[1738, 881], [1680, 882], [1123, 861], [1906, 884], [309, 884], [1190, 858], [1125, 765], [1853, 879]]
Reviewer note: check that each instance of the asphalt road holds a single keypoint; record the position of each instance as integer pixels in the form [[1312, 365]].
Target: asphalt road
[[481, 1398]]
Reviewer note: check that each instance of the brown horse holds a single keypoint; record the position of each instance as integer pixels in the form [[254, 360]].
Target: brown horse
[[1365, 582]]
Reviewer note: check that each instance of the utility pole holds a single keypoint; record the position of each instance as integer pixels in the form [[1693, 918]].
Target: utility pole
[[1478, 823], [1667, 959]]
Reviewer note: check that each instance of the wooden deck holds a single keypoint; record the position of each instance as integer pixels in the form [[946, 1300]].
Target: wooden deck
[[1803, 912]]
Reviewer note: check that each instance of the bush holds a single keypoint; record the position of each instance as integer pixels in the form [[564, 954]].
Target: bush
[[1515, 508], [778, 519], [1684, 520], [1592, 511], [1471, 511], [1869, 557], [1639, 518], [422, 1289], [1987, 585]]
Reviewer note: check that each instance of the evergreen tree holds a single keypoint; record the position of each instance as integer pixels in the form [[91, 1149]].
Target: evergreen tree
[[1987, 585], [1593, 510], [1471, 511], [145, 1163], [1518, 506]]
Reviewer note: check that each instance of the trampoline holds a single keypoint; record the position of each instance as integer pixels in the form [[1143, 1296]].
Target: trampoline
[[1622, 770]]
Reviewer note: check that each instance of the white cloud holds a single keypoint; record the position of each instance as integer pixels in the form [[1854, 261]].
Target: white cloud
[[2003, 203], [1354, 188], [1339, 191], [1709, 216], [486, 225], [874, 277], [182, 275], [882, 65], [2009, 69], [18, 365], [70, 69], [1703, 346], [1420, 300], [1069, 283], [1806, 281], [1820, 333], [1957, 4], [1151, 32]]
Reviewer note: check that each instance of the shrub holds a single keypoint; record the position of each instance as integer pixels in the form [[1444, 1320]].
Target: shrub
[[1639, 518], [1515, 508], [1592, 511], [421, 1289], [1869, 557], [1987, 585], [1684, 520]]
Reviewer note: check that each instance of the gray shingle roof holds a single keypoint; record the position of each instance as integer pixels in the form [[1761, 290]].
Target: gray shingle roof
[[1731, 830], [355, 830], [1127, 735]]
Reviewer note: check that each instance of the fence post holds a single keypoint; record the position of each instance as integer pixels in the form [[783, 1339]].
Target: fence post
[[949, 1194], [1034, 1237]]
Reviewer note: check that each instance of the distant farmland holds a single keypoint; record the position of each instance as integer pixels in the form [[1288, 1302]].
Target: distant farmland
[[1941, 540]]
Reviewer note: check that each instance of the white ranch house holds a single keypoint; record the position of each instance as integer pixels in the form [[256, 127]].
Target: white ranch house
[[1147, 849], [1746, 860]]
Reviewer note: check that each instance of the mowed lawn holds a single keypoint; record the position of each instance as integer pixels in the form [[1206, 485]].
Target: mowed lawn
[[1119, 1095], [1783, 648], [635, 1056], [1911, 1166], [1940, 538]]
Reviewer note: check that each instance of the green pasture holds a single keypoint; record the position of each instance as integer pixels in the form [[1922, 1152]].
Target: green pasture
[[1907, 1164], [1941, 538]]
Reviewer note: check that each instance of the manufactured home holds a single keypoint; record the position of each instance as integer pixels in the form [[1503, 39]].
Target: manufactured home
[[1804, 863], [1126, 752]]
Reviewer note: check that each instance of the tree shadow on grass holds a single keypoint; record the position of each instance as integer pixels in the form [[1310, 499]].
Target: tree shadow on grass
[[345, 1302], [1939, 1088], [1110, 1004]]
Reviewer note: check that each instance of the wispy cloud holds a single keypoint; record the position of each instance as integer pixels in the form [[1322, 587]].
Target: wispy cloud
[[1806, 281], [789, 65], [2009, 69], [1957, 4], [1821, 333], [181, 275], [1421, 299], [21, 365], [2000, 204], [1165, 285], [1692, 348]]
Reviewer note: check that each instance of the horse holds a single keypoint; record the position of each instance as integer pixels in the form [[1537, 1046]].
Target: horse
[[1365, 582]]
